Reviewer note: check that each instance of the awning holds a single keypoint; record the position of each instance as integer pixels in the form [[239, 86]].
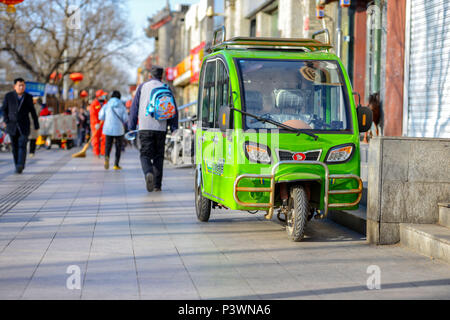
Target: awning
[[183, 80]]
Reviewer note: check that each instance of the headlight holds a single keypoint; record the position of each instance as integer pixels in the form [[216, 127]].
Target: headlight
[[257, 152], [340, 154]]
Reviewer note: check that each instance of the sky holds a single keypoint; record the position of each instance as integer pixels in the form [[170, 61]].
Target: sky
[[139, 11]]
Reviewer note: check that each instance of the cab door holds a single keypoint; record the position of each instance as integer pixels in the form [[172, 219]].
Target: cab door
[[222, 141], [205, 134]]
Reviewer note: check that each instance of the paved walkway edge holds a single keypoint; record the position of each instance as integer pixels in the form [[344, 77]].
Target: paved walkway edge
[[354, 220]]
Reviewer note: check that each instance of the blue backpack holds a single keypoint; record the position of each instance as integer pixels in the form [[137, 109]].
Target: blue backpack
[[162, 103]]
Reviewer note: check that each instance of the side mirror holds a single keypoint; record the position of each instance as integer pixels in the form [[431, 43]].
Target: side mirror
[[365, 118], [224, 118]]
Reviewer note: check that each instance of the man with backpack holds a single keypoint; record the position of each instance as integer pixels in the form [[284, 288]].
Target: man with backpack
[[155, 109]]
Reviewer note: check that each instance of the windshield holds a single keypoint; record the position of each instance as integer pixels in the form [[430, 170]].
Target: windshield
[[300, 94]]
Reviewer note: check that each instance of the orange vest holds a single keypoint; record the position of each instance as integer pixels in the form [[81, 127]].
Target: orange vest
[[94, 110]]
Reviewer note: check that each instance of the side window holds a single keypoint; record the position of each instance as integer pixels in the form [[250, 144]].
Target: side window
[[208, 94], [222, 89]]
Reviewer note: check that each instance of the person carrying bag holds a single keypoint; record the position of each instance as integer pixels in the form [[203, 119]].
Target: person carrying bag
[[114, 115]]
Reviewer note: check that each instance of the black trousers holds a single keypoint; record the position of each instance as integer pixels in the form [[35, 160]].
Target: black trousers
[[108, 146], [19, 149], [32, 145], [152, 153]]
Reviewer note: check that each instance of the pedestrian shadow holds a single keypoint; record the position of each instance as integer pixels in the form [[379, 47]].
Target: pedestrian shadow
[[349, 289], [18, 218]]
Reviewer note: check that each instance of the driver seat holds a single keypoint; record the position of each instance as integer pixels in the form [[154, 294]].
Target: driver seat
[[289, 101]]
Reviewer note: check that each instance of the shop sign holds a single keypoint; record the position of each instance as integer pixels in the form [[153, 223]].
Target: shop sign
[[170, 74], [196, 62]]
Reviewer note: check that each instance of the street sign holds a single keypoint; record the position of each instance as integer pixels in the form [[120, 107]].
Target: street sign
[[51, 89], [36, 89]]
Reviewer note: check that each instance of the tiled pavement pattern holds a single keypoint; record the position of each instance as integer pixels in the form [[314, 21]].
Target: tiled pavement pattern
[[129, 244]]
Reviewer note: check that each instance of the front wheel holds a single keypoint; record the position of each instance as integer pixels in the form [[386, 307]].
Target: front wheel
[[297, 214], [202, 204]]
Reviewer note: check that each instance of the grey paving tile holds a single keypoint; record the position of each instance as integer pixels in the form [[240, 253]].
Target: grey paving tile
[[131, 244]]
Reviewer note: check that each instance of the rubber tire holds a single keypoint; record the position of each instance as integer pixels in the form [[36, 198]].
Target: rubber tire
[[202, 204], [299, 211]]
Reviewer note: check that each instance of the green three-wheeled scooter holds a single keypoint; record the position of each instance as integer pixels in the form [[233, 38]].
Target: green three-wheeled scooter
[[278, 129]]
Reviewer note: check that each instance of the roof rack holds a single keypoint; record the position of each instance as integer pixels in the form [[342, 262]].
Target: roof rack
[[250, 42]]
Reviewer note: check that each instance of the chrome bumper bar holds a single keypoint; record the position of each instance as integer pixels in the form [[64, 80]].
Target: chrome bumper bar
[[271, 190]]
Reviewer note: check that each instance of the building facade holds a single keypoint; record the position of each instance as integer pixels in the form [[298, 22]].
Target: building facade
[[397, 50]]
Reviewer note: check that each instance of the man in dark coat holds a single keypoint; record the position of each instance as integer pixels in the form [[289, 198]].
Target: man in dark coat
[[16, 108]]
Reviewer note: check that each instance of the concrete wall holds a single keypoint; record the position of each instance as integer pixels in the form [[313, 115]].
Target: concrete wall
[[407, 178]]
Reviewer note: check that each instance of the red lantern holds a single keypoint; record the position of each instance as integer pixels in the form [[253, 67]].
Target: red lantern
[[76, 77], [345, 3], [11, 4], [83, 94], [55, 75]]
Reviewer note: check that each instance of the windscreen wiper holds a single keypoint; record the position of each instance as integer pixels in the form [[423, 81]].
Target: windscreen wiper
[[276, 123]]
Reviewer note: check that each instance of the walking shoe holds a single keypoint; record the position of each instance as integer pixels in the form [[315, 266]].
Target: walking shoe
[[106, 163], [31, 155], [157, 189], [117, 167], [149, 181], [19, 169]]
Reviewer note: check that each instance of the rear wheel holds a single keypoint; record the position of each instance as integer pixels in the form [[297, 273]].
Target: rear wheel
[[202, 204], [297, 214]]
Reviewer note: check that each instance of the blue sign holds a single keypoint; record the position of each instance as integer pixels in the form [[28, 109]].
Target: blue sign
[[36, 89], [51, 89], [71, 93]]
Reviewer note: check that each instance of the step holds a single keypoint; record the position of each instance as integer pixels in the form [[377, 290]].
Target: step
[[432, 240], [444, 214], [352, 219]]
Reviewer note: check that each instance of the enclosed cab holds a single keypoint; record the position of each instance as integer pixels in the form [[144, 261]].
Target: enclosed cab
[[278, 129]]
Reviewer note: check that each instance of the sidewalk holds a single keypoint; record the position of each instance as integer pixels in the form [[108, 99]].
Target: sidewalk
[[129, 244]]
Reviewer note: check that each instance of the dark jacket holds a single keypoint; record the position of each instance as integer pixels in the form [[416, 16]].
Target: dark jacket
[[16, 116]]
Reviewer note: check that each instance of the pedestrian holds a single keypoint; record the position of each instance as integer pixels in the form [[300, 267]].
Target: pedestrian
[[114, 115], [45, 111], [83, 125], [17, 106], [98, 138], [152, 132], [34, 134], [375, 106]]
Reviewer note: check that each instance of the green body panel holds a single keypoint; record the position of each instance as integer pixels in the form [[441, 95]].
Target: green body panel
[[288, 176], [230, 161]]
